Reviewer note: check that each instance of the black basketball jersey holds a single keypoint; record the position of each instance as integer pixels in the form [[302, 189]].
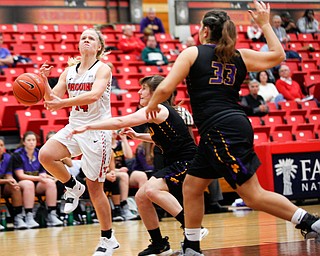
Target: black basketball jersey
[[213, 86], [173, 138]]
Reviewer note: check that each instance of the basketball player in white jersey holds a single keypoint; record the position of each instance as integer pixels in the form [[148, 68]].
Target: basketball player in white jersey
[[88, 82]]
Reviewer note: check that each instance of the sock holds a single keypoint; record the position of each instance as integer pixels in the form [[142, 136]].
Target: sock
[[52, 208], [123, 203], [17, 210], [106, 233], [192, 234], [180, 218], [298, 216], [155, 235], [27, 210], [70, 183]]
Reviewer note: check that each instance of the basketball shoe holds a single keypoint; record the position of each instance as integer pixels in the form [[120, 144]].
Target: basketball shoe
[[309, 226], [18, 222], [106, 246], [160, 249], [72, 196], [53, 220], [31, 223]]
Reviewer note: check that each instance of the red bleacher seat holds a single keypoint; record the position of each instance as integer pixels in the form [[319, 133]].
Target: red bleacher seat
[[44, 48], [58, 117], [30, 120], [261, 134], [24, 38], [47, 28], [274, 119], [313, 116], [66, 28], [256, 46], [130, 84], [150, 70], [288, 105], [308, 65], [308, 104], [296, 116], [316, 56], [45, 38], [305, 37], [295, 46], [281, 133], [65, 48], [45, 129], [304, 132], [66, 38], [310, 81], [134, 144], [292, 64], [255, 121], [8, 107], [8, 28], [27, 28], [22, 49], [131, 99], [129, 72]]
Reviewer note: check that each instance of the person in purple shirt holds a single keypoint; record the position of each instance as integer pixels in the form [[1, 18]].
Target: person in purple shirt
[[6, 58], [151, 21], [33, 180], [10, 188]]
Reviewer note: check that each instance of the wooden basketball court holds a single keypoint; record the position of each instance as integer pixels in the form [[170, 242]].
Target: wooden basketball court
[[240, 233]]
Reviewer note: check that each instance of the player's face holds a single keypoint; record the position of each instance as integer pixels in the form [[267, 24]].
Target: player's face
[[30, 142], [89, 42], [145, 95], [2, 148]]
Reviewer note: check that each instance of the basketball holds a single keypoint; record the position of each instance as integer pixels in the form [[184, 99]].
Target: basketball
[[28, 89]]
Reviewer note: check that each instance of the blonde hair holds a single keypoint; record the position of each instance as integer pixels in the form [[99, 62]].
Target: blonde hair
[[74, 61]]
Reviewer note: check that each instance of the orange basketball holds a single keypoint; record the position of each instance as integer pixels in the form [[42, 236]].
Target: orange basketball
[[28, 89]]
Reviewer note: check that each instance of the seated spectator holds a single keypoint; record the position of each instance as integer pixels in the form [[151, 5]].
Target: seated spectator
[[289, 88], [152, 21], [122, 154], [288, 23], [33, 180], [268, 90], [6, 58], [115, 87], [254, 32], [10, 188], [307, 23], [280, 31], [152, 55], [129, 43], [254, 104]]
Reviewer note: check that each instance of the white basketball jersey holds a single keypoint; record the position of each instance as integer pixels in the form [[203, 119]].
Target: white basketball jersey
[[79, 84]]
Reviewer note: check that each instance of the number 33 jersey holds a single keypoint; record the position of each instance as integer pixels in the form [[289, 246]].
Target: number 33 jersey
[[78, 84], [214, 86]]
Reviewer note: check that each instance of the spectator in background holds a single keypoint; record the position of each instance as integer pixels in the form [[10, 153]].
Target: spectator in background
[[6, 58], [33, 180], [254, 32], [280, 31], [151, 21], [254, 104], [307, 23], [129, 43], [10, 188], [288, 23], [122, 154], [268, 90], [289, 88], [151, 55]]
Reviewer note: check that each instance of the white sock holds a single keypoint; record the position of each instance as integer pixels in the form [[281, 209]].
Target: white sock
[[298, 216], [192, 234]]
